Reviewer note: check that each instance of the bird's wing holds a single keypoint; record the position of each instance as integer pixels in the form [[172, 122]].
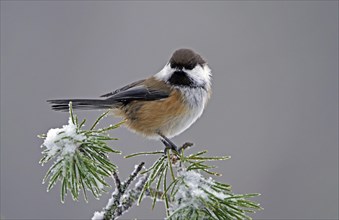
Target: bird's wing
[[139, 90], [124, 88]]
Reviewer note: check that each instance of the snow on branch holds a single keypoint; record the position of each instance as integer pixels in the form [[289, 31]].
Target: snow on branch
[[184, 183], [81, 157], [187, 193], [122, 198]]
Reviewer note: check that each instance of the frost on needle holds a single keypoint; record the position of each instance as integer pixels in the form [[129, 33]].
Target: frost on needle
[[187, 193], [81, 157], [63, 141], [198, 197]]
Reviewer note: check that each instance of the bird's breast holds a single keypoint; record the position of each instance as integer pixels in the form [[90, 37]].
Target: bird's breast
[[170, 116]]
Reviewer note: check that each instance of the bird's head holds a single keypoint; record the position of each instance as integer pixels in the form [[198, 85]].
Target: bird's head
[[186, 68]]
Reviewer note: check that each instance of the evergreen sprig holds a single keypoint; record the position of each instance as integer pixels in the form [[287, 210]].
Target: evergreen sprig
[[188, 194], [81, 157], [81, 163], [157, 179], [197, 197]]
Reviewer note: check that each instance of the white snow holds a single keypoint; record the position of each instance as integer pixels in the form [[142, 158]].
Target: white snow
[[111, 200], [191, 189], [56, 140], [98, 216]]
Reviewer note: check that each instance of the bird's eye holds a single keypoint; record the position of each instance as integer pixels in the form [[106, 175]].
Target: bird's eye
[[175, 66], [190, 66]]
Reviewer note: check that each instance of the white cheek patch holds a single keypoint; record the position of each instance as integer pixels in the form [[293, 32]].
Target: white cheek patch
[[200, 75], [164, 74]]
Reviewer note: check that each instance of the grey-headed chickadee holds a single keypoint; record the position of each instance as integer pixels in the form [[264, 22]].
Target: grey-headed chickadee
[[161, 106]]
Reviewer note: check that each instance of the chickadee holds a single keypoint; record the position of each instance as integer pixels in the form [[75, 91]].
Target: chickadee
[[161, 106]]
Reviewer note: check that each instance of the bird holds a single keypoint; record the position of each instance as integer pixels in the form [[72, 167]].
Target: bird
[[161, 106]]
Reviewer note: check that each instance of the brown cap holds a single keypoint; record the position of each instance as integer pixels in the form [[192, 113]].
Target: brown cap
[[186, 58]]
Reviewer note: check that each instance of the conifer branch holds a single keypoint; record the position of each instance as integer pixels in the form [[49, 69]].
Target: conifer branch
[[176, 179], [189, 194], [81, 157]]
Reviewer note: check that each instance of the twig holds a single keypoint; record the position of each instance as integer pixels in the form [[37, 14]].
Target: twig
[[133, 175], [185, 146], [123, 198], [131, 196], [117, 181]]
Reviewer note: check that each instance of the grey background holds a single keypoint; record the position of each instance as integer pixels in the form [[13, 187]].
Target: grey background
[[274, 107]]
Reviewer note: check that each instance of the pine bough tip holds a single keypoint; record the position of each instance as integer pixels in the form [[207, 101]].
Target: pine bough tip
[[80, 157]]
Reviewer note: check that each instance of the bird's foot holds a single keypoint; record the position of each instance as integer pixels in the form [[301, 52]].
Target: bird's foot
[[169, 146]]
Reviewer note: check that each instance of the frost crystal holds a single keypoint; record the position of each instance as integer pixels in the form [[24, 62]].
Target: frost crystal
[[63, 140], [192, 190]]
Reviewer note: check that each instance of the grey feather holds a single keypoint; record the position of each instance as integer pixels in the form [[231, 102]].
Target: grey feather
[[120, 97]]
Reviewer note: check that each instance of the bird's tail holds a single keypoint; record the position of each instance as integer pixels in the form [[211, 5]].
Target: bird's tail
[[82, 104]]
